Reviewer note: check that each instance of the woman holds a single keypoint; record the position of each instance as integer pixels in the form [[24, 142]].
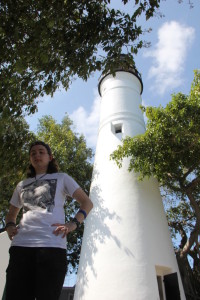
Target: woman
[[37, 265]]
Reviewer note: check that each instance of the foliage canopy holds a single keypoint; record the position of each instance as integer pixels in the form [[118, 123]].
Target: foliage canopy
[[45, 44], [15, 139]]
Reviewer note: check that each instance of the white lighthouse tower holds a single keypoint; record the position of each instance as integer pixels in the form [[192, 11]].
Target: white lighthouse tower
[[127, 253]]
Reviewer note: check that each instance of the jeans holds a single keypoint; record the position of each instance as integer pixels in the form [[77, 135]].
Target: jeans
[[35, 273]]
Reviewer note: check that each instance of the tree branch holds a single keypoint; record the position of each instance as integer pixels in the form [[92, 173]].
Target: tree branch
[[193, 183], [190, 170], [190, 242], [178, 226]]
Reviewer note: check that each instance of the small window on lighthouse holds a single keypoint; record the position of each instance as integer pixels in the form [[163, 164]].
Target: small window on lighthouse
[[118, 128]]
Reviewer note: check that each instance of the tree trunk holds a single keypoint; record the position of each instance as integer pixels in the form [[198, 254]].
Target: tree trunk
[[189, 281]]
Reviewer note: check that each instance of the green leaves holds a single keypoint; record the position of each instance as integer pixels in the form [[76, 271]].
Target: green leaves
[[44, 44], [15, 139], [69, 149]]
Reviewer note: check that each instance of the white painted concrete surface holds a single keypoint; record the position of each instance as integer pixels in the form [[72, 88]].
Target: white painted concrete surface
[[4, 258], [126, 240]]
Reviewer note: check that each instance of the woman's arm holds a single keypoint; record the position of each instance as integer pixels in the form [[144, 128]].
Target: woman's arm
[[11, 221], [85, 204]]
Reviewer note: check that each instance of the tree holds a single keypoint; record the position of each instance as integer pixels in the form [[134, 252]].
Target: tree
[[169, 151], [74, 158], [15, 139], [45, 44]]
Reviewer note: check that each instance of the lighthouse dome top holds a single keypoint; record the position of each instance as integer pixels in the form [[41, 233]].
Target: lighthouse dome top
[[123, 65]]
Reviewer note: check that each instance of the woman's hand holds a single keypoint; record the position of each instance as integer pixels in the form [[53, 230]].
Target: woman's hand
[[64, 229], [11, 228], [11, 231]]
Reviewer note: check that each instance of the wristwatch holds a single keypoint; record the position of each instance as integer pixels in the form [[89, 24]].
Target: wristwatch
[[74, 220]]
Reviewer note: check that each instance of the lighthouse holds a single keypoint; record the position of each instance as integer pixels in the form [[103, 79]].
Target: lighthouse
[[127, 252]]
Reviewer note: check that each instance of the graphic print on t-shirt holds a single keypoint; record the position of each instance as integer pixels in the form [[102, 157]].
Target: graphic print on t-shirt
[[39, 195]]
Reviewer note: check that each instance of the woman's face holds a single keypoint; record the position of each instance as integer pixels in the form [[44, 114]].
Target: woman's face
[[40, 158]]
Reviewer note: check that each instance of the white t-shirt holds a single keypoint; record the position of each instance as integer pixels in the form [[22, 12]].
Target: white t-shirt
[[42, 200]]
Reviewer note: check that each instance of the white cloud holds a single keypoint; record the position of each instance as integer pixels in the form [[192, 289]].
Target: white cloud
[[87, 123], [169, 55]]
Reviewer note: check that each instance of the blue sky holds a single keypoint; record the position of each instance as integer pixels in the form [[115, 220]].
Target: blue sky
[[166, 68]]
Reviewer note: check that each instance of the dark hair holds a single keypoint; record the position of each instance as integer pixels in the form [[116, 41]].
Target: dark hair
[[53, 165], [41, 143]]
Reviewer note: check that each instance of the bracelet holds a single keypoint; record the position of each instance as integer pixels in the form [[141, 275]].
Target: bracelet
[[82, 211], [75, 221], [10, 224]]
